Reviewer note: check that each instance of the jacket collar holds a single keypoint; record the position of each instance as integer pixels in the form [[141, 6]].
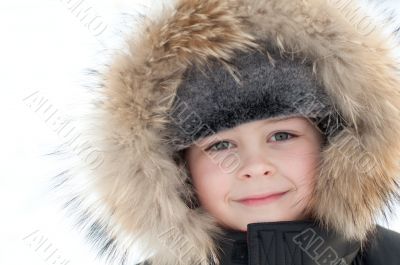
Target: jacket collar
[[284, 243]]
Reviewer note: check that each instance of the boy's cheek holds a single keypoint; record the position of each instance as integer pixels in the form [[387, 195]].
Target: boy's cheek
[[206, 167], [211, 186]]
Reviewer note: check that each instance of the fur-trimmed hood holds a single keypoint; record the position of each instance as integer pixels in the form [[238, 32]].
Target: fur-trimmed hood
[[137, 191]]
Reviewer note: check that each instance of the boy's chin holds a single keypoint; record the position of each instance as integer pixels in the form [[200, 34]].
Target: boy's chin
[[243, 225]]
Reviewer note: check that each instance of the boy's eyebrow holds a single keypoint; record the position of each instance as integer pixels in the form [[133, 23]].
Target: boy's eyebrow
[[268, 121], [273, 120]]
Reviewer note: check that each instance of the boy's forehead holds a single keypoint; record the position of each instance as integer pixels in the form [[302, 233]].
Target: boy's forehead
[[267, 121], [283, 118]]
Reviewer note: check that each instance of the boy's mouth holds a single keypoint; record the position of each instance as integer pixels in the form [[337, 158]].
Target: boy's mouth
[[261, 199]]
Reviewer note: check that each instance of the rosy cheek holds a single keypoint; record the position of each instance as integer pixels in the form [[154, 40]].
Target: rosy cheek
[[211, 165], [211, 183]]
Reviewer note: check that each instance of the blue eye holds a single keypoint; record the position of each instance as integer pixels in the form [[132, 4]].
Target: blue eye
[[222, 145], [218, 146], [282, 136]]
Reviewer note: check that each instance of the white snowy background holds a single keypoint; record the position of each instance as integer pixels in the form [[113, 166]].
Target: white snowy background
[[45, 46]]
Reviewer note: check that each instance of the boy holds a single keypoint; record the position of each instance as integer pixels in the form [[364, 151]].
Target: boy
[[304, 105], [273, 177]]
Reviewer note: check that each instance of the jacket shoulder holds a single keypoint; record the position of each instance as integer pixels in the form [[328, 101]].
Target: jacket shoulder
[[384, 248]]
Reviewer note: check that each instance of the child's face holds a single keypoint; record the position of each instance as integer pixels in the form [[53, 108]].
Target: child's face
[[256, 158]]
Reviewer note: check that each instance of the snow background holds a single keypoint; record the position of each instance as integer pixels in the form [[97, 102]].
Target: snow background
[[45, 47]]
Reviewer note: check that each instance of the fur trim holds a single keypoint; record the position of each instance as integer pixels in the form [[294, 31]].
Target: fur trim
[[141, 191]]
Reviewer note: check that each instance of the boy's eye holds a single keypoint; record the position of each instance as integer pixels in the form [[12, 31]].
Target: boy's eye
[[282, 136], [218, 146], [222, 145]]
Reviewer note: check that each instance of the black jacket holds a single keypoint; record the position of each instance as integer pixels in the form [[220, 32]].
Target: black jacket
[[304, 243]]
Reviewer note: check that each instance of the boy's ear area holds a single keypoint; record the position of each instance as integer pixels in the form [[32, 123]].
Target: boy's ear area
[[315, 122], [191, 199]]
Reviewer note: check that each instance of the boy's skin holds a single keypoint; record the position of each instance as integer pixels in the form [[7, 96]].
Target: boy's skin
[[266, 156]]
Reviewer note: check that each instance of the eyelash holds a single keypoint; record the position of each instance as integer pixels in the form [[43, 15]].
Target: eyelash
[[214, 144]]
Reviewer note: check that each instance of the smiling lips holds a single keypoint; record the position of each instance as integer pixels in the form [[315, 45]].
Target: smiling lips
[[261, 199]]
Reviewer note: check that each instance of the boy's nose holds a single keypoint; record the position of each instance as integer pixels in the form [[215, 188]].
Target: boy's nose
[[255, 165]]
